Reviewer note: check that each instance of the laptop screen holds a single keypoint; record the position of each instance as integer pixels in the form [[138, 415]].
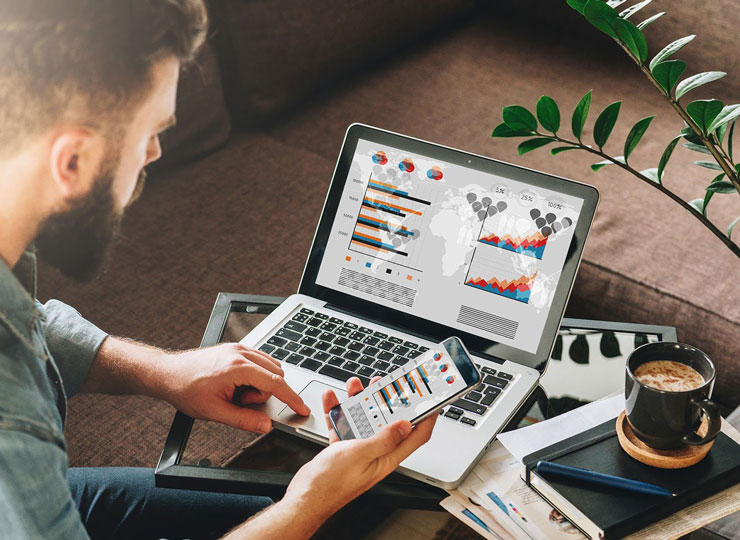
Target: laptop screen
[[464, 248]]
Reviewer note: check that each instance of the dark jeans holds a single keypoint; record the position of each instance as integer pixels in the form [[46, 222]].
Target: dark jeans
[[122, 502]]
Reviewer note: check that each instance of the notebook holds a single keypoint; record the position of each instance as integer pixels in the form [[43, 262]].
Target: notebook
[[605, 513]]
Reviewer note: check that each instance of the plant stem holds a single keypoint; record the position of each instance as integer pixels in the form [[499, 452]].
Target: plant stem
[[711, 226], [725, 165]]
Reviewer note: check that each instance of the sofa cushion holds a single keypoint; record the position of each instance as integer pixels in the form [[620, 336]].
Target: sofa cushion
[[203, 122], [279, 51]]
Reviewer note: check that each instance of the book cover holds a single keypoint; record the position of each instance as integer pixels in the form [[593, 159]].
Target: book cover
[[602, 512]]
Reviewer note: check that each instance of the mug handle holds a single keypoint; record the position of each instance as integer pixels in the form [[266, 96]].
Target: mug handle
[[709, 409]]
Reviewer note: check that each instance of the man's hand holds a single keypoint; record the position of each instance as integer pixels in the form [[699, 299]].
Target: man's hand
[[336, 476], [347, 469], [201, 383]]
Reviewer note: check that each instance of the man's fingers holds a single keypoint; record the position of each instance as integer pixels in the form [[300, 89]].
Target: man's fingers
[[329, 400], [252, 395], [273, 383], [242, 418], [262, 360], [385, 442], [354, 386]]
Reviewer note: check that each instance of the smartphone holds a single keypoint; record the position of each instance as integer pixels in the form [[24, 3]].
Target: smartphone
[[413, 392]]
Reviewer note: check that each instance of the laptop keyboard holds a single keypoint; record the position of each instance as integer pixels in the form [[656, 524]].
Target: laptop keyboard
[[341, 349]]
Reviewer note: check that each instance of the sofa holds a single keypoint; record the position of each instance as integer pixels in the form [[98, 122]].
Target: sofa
[[233, 204]]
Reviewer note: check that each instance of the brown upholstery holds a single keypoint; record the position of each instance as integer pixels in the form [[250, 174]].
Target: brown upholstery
[[242, 218]]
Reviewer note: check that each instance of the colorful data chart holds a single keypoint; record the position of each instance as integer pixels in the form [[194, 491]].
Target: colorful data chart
[[518, 289], [435, 173], [406, 165], [532, 245], [380, 158], [405, 390]]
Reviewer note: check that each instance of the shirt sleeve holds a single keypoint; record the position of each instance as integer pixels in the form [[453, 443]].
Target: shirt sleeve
[[73, 343], [35, 499]]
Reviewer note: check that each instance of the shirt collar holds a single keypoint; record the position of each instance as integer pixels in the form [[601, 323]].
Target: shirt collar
[[17, 290]]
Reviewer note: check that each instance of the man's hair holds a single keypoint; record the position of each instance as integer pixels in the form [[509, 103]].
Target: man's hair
[[85, 61]]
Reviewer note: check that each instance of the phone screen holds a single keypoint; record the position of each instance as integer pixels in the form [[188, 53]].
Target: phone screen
[[409, 392]]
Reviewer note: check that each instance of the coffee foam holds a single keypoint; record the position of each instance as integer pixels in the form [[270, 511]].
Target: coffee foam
[[669, 376]]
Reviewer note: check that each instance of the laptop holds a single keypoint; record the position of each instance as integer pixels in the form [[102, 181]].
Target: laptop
[[418, 242]]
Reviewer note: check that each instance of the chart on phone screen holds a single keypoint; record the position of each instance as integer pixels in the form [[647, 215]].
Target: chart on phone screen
[[405, 394], [462, 247]]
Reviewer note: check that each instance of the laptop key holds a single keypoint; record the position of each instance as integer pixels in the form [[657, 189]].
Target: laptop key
[[456, 410], [366, 371], [370, 351], [314, 321], [288, 334], [423, 349], [488, 399], [487, 370], [307, 311], [295, 358], [293, 346], [452, 415], [280, 354], [321, 356], [310, 363], [469, 406], [506, 376], [410, 344], [366, 360], [385, 345], [307, 351], [379, 373], [351, 355], [495, 381], [300, 317], [293, 325], [351, 325], [355, 346], [343, 331], [385, 355], [492, 390], [328, 327], [370, 340], [322, 316], [413, 354], [401, 350], [393, 368], [396, 340], [380, 335], [323, 346], [313, 332], [474, 396], [357, 336], [341, 374], [383, 366], [468, 421], [307, 340], [327, 336], [265, 348], [400, 360], [335, 320], [351, 366], [341, 341], [366, 330], [336, 361], [336, 351]]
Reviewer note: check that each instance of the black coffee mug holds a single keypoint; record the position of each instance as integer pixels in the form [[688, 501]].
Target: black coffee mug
[[668, 420]]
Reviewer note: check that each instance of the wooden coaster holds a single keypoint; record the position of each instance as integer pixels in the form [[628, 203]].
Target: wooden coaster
[[664, 459]]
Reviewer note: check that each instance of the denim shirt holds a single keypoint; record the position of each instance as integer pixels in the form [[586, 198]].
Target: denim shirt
[[45, 354]]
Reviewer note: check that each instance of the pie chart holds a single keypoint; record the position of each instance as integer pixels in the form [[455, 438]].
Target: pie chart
[[450, 379], [406, 165], [443, 367], [380, 158]]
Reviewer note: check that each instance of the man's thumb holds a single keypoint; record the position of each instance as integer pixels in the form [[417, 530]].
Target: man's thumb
[[389, 438]]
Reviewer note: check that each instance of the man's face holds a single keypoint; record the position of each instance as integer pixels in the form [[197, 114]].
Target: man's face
[[76, 240]]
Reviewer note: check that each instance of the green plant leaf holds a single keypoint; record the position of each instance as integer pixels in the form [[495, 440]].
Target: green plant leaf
[[560, 149], [704, 111], [667, 73], [732, 226], [721, 131], [723, 186], [632, 38], [605, 123], [533, 144], [708, 165], [729, 139], [615, 3], [502, 130], [602, 16], [578, 5], [698, 204], [666, 156], [727, 114], [548, 114], [670, 49], [709, 194], [697, 148], [635, 134], [652, 173], [650, 20], [695, 81], [596, 166], [518, 118], [690, 136], [627, 13], [579, 115]]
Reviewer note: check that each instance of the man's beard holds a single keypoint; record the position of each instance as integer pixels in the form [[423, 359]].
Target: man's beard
[[77, 240]]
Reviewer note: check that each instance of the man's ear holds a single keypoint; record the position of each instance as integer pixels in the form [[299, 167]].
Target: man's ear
[[76, 155]]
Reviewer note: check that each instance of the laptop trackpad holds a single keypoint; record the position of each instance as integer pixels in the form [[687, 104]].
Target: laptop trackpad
[[316, 422]]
